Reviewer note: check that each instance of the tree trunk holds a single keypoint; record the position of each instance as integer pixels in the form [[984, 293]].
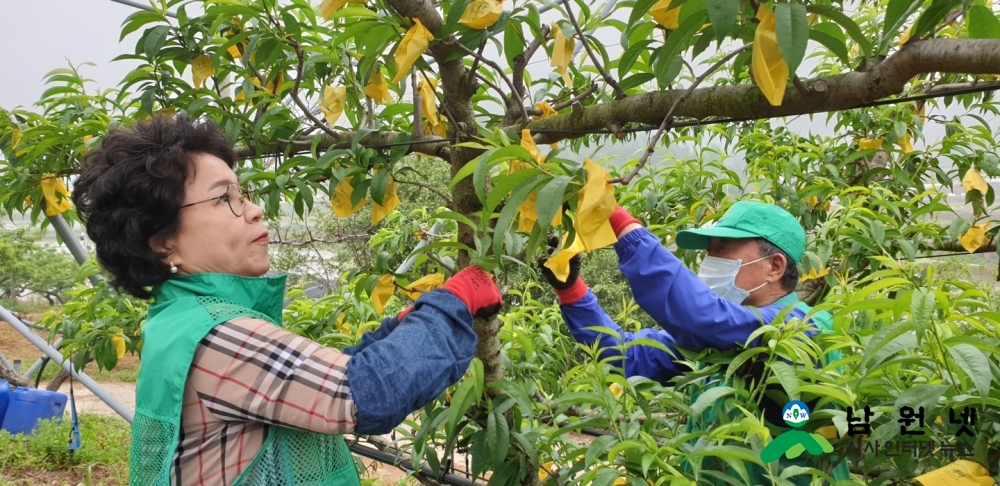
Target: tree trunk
[[13, 377]]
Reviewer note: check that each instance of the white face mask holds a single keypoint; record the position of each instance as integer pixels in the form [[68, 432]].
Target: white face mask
[[720, 276]]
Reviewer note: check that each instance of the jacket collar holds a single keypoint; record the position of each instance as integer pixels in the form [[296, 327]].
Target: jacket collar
[[262, 294], [791, 298]]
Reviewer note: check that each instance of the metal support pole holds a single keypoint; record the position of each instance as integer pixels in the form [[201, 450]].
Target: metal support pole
[[408, 263], [38, 364], [72, 242], [57, 357]]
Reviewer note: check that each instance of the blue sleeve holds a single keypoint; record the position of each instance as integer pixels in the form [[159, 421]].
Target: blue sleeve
[[410, 366], [646, 361], [679, 302], [388, 324]]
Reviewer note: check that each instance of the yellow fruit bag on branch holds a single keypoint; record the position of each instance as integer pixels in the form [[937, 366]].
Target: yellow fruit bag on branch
[[562, 53], [481, 14], [668, 17], [332, 104], [377, 89], [597, 202], [57, 197], [770, 72], [341, 199], [424, 285], [384, 289], [389, 202], [413, 45]]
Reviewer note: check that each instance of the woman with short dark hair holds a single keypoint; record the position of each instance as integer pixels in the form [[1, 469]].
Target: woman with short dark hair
[[225, 395]]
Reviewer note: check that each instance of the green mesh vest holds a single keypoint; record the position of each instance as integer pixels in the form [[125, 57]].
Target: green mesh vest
[[185, 309]]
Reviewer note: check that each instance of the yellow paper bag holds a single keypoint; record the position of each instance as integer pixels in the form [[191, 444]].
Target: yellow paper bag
[[341, 199], [328, 7], [546, 109], [529, 144], [119, 341], [389, 202], [770, 72], [869, 143], [562, 53], [384, 289], [377, 89], [15, 138], [201, 69], [57, 197], [424, 285], [481, 14], [975, 238], [958, 473], [668, 17], [904, 144], [597, 202], [332, 103], [559, 263], [413, 45], [428, 101], [974, 180]]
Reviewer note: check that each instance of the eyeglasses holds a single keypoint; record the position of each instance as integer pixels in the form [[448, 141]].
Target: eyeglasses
[[235, 196]]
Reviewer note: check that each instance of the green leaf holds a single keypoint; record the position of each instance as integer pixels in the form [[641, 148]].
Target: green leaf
[[680, 39], [498, 433], [451, 20], [707, 399], [922, 395], [974, 363], [156, 37], [550, 198], [932, 16], [513, 42], [895, 15], [379, 185], [786, 375], [983, 24], [921, 311], [463, 398], [830, 36], [883, 337], [507, 183], [722, 14], [852, 29], [793, 33]]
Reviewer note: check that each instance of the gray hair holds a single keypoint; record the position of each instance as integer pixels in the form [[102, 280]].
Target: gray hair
[[790, 279]]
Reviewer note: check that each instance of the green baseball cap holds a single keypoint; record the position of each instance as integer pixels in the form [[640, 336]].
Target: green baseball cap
[[749, 219]]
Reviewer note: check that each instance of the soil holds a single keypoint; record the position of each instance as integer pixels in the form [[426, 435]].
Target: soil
[[99, 475]]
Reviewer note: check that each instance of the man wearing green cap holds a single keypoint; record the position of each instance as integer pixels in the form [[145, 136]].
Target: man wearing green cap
[[747, 278]]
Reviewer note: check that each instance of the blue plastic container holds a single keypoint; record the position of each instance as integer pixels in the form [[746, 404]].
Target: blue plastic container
[[30, 405], [4, 398]]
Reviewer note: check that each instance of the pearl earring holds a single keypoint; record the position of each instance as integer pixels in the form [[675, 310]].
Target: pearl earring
[[173, 268]]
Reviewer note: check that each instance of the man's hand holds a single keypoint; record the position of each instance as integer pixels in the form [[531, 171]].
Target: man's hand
[[574, 267], [477, 289], [573, 289]]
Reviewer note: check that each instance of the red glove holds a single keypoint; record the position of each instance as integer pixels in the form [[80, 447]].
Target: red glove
[[476, 288], [401, 315], [620, 219], [573, 293]]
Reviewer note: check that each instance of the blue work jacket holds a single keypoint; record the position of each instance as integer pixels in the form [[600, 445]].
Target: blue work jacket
[[690, 314]]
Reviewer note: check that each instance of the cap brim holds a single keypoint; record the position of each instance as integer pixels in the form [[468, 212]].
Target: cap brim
[[697, 239]]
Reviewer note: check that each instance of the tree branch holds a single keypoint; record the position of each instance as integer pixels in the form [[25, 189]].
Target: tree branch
[[576, 99], [425, 10], [516, 98], [446, 199], [342, 139], [619, 94], [522, 59], [745, 101], [668, 120]]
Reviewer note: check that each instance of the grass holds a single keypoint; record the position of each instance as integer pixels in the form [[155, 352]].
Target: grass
[[44, 458]]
